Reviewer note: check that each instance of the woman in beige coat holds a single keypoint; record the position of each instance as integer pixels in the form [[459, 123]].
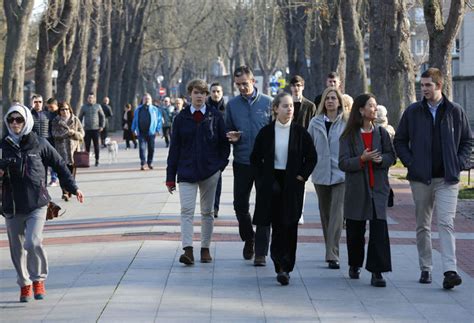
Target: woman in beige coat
[[68, 135]]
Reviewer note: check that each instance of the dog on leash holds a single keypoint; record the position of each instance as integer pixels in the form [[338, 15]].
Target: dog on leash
[[112, 149]]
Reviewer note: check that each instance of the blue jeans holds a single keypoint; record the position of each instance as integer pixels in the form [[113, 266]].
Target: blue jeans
[[146, 142]]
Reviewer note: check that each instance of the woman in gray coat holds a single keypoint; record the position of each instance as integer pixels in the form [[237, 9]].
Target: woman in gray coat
[[325, 130], [365, 154]]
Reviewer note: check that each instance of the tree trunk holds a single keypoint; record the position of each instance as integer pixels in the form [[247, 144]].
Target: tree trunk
[[391, 65], [106, 51], [68, 58], [355, 80], [79, 78], [442, 36], [295, 18], [93, 52], [18, 17], [54, 26], [316, 57]]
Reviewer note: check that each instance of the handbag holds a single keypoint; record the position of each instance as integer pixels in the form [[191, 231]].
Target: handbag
[[53, 211], [81, 159]]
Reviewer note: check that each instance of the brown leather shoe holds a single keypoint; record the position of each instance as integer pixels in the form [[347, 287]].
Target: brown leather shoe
[[205, 255], [187, 257]]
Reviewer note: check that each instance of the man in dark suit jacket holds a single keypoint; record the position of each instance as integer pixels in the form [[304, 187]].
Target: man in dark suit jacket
[[304, 111]]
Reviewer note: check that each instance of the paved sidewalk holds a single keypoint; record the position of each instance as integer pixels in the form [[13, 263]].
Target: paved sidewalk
[[115, 259]]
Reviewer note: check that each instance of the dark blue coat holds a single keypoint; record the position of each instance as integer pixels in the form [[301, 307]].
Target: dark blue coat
[[24, 190], [413, 141], [197, 150]]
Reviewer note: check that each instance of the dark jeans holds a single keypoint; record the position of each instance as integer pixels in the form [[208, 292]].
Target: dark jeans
[[166, 135], [146, 142], [244, 178], [103, 135], [94, 136], [378, 253], [217, 199]]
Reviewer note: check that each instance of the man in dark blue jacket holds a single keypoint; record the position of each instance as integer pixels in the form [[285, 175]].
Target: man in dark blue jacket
[[433, 141], [198, 153]]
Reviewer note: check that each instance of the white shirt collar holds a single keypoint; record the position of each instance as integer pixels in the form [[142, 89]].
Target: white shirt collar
[[203, 109]]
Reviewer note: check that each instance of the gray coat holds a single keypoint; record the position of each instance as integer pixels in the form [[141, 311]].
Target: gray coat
[[327, 170], [92, 116], [359, 196]]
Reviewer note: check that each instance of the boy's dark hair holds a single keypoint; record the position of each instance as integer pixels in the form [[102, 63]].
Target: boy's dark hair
[[198, 84], [52, 101], [215, 84], [239, 71], [296, 79], [435, 75], [333, 75]]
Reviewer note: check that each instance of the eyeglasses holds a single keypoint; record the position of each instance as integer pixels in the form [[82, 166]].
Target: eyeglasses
[[16, 119], [37, 101]]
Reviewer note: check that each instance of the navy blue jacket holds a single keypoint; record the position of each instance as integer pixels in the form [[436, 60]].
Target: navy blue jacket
[[413, 141], [24, 190], [197, 150]]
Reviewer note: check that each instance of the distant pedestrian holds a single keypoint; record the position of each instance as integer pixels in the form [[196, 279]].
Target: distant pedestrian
[[246, 114], [304, 111], [328, 179], [147, 122], [365, 154], [332, 80], [216, 100], [93, 121], [284, 157], [167, 112], [68, 135], [198, 154], [434, 141], [25, 198], [127, 121], [108, 113]]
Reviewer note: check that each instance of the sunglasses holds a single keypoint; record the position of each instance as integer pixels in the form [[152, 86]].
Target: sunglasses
[[16, 119]]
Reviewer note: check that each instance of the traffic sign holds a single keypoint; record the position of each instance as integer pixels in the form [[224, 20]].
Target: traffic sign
[[162, 91]]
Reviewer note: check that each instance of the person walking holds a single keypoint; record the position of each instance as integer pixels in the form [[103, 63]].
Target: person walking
[[108, 113], [284, 157], [246, 114], [127, 121], [68, 135], [25, 198], [434, 141], [365, 155], [325, 130], [216, 100], [93, 121], [167, 112], [304, 111], [198, 153]]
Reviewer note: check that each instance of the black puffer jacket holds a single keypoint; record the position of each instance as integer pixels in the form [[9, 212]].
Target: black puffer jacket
[[24, 187], [42, 121]]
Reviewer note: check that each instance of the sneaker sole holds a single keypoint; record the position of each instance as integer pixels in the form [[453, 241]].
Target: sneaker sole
[[25, 299]]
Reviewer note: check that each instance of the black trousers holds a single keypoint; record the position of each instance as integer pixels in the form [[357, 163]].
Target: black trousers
[[166, 135], [103, 134], [72, 169], [244, 179], [284, 233], [94, 136], [378, 253]]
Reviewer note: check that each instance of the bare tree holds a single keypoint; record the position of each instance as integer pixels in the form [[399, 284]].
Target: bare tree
[[106, 49], [54, 25], [295, 17], [442, 36], [356, 80], [268, 37], [93, 51], [17, 16], [391, 64]]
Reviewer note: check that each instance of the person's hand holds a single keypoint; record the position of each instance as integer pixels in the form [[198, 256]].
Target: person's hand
[[2, 172], [80, 196], [70, 132], [171, 187], [101, 129], [300, 178], [377, 159], [234, 136], [369, 155]]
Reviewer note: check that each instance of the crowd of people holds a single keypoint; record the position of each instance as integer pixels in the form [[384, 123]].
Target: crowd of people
[[344, 145]]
